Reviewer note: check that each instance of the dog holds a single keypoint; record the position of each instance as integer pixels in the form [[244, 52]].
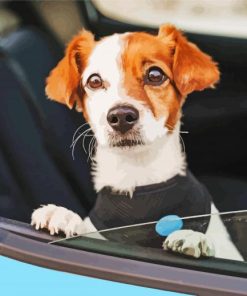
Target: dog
[[130, 88]]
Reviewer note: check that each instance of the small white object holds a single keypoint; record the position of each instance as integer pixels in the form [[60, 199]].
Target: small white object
[[59, 219], [189, 242]]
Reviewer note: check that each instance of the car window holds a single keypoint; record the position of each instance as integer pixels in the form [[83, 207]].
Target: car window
[[193, 15], [142, 242], [36, 166]]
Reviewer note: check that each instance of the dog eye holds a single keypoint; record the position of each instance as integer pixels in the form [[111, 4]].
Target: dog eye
[[94, 81], [154, 76]]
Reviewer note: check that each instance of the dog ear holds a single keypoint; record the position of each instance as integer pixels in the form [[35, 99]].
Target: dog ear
[[64, 80], [192, 69]]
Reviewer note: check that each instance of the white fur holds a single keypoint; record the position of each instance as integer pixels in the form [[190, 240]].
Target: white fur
[[57, 219], [153, 163], [189, 242], [216, 242], [217, 232]]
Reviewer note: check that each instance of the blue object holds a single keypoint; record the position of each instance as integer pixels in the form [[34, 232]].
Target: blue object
[[168, 224], [18, 278]]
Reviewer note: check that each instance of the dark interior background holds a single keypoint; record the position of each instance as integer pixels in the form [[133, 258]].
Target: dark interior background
[[36, 166]]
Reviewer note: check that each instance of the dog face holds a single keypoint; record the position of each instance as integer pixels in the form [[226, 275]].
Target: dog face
[[130, 87]]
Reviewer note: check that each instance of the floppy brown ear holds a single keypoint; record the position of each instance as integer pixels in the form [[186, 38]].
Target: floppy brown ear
[[192, 69], [63, 81]]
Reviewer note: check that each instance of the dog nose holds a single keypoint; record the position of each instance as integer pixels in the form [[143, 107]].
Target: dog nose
[[122, 118]]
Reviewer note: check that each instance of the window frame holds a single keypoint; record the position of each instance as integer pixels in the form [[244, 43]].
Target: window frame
[[21, 242]]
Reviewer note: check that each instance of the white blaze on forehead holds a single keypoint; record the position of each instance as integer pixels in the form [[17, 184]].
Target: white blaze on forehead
[[105, 60]]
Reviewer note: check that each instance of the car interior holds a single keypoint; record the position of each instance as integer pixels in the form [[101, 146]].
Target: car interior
[[36, 165]]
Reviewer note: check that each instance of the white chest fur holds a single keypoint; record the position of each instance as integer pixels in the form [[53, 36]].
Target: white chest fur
[[123, 170]]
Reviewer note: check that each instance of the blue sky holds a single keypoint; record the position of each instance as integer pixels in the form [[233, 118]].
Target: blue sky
[[18, 278]]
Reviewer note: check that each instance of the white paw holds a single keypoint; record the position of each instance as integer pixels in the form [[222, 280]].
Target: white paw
[[57, 219], [189, 242]]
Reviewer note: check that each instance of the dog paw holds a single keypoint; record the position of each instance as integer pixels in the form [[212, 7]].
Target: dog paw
[[57, 219], [189, 242]]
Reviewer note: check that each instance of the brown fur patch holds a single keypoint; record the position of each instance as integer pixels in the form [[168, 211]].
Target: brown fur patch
[[193, 70], [187, 68], [63, 83]]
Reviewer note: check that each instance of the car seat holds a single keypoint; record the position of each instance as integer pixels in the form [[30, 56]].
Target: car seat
[[35, 160]]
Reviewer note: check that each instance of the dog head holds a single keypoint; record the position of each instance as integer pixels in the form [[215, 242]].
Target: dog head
[[131, 87]]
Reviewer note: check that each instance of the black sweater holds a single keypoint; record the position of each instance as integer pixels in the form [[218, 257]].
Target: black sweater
[[181, 195]]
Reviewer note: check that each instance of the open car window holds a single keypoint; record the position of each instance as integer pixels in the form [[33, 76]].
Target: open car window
[[141, 242]]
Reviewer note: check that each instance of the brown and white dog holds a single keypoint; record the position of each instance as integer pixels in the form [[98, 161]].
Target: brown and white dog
[[130, 88]]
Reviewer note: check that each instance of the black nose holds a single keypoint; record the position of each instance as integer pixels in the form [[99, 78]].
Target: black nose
[[122, 118]]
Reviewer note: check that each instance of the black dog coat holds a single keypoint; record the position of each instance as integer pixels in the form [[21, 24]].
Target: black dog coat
[[181, 195]]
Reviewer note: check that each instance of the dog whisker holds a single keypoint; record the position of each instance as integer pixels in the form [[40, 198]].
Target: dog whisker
[[171, 129], [91, 148], [77, 130], [83, 141], [77, 139], [82, 134], [182, 144], [184, 132]]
